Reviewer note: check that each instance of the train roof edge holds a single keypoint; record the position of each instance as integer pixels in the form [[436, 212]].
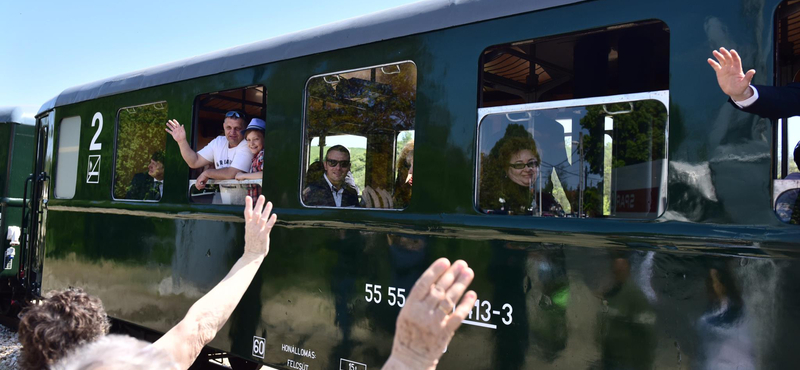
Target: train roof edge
[[401, 21], [18, 114]]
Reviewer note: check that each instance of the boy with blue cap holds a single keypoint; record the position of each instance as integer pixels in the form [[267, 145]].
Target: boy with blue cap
[[254, 134]]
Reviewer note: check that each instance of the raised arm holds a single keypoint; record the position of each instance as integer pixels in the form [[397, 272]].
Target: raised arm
[[428, 320], [207, 316], [730, 76], [178, 133], [766, 101]]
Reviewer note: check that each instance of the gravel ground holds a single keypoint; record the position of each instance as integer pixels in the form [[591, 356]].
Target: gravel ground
[[9, 349]]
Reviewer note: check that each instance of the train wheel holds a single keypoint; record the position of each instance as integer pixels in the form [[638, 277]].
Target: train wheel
[[242, 364]]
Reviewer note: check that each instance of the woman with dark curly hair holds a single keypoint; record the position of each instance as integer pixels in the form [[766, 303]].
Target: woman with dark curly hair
[[64, 321], [509, 177]]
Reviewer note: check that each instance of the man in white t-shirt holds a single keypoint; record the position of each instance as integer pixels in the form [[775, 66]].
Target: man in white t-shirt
[[228, 153]]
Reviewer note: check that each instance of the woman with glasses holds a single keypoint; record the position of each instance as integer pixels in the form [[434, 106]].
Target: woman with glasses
[[510, 177]]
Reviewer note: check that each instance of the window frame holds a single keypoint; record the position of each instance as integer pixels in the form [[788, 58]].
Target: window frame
[[780, 159], [305, 152], [116, 143], [661, 96], [194, 134]]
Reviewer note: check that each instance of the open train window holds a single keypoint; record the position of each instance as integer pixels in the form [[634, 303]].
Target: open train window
[[209, 115], [354, 123], [139, 157], [786, 185], [619, 59], [593, 157]]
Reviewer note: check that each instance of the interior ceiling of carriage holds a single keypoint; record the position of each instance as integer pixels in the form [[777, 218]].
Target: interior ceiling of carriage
[[249, 100], [793, 26], [543, 69]]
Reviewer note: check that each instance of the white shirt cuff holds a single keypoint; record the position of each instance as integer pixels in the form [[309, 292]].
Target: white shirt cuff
[[749, 101]]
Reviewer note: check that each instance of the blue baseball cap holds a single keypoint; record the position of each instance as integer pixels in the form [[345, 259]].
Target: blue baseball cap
[[255, 124]]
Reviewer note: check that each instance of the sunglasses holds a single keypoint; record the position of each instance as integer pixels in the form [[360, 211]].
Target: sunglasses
[[334, 163], [519, 166], [234, 114]]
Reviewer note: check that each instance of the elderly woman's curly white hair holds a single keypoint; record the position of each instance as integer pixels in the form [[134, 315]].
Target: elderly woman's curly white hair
[[116, 352]]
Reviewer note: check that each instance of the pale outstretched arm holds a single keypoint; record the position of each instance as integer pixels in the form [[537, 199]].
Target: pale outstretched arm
[[207, 316]]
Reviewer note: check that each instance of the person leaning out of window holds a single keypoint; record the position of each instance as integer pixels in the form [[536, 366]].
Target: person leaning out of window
[[229, 153]]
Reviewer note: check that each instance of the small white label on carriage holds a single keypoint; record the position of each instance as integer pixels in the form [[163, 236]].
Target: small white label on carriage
[[93, 170], [292, 364], [345, 364], [259, 345], [288, 348]]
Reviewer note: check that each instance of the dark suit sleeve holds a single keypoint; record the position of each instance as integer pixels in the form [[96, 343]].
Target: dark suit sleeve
[[775, 102]]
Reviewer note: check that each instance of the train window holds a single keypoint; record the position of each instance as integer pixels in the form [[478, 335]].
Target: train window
[[355, 121], [69, 136], [140, 145], [209, 115], [619, 59], [594, 157], [786, 182]]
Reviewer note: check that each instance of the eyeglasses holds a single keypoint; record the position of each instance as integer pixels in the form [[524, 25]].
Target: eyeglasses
[[234, 114], [334, 163], [519, 166]]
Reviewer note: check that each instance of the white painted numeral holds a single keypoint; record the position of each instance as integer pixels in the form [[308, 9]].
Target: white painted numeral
[[488, 313], [94, 145], [402, 297], [368, 289], [259, 345], [392, 296], [508, 314]]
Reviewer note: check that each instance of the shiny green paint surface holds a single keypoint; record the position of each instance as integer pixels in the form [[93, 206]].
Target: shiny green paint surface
[[149, 262], [5, 141]]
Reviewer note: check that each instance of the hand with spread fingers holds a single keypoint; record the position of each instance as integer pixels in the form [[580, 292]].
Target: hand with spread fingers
[[258, 224], [430, 317], [176, 130], [732, 80]]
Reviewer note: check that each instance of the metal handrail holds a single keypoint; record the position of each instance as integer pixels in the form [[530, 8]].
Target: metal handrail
[[228, 182], [11, 202]]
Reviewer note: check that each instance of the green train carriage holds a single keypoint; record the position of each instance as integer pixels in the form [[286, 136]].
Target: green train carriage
[[16, 164], [664, 249]]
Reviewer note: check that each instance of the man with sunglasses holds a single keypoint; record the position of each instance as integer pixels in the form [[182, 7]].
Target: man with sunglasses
[[332, 190], [228, 153]]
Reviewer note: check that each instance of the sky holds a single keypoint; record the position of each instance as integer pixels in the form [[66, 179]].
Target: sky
[[49, 46]]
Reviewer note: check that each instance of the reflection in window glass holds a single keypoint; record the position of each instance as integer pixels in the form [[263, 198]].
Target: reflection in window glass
[[602, 159], [358, 126], [141, 140], [69, 135]]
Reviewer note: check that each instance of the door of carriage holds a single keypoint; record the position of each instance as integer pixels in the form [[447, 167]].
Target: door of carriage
[[34, 212]]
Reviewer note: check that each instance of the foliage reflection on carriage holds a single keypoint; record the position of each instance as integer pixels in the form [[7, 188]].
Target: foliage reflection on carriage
[[614, 208]]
